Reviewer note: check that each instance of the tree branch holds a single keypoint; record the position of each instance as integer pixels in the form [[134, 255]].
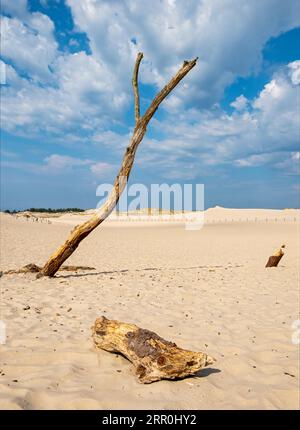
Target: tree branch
[[136, 87], [185, 68]]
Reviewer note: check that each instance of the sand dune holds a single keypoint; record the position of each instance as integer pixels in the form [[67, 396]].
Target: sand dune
[[207, 290], [211, 215]]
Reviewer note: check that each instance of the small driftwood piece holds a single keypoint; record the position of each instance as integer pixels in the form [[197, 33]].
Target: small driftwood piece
[[153, 357], [276, 257], [33, 268]]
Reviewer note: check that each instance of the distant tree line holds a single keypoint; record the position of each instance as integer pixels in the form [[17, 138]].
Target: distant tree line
[[44, 210]]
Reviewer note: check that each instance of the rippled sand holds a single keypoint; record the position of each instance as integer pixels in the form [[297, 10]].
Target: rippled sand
[[207, 290]]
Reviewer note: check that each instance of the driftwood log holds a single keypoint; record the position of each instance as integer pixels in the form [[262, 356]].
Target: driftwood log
[[153, 357], [83, 230], [276, 257]]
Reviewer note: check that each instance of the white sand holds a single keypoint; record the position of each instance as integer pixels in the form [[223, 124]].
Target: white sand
[[207, 290], [210, 216]]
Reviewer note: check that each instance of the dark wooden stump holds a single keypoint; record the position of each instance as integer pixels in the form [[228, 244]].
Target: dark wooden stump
[[274, 260], [276, 257]]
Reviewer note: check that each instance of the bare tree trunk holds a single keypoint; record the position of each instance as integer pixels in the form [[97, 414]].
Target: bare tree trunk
[[83, 230], [153, 357]]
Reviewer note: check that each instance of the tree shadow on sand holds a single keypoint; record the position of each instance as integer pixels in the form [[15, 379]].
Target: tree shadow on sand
[[112, 272]]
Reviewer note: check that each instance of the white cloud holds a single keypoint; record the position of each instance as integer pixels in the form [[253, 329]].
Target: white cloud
[[80, 96], [83, 100], [61, 163], [29, 45], [267, 133], [278, 109], [52, 165], [296, 156], [240, 103], [287, 162], [2, 73], [16, 8], [291, 164], [57, 162], [295, 72], [296, 187], [168, 33], [103, 170], [111, 140], [256, 160]]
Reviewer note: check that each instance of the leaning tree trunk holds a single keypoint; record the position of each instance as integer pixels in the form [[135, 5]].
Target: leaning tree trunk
[[83, 230], [153, 357]]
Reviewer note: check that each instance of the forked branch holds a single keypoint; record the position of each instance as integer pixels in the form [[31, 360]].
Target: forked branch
[[83, 230]]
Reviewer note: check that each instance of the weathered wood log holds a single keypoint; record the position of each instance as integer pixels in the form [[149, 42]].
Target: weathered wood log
[[153, 357], [83, 230], [276, 257]]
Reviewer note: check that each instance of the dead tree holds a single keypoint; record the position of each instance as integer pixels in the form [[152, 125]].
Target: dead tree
[[83, 230], [153, 357], [276, 257]]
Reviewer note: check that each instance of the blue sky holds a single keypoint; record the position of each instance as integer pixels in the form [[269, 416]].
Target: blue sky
[[67, 105]]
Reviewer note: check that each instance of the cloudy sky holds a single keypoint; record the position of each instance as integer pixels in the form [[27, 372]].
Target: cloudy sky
[[67, 105]]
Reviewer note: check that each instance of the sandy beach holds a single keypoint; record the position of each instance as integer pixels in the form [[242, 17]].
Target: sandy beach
[[206, 290]]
